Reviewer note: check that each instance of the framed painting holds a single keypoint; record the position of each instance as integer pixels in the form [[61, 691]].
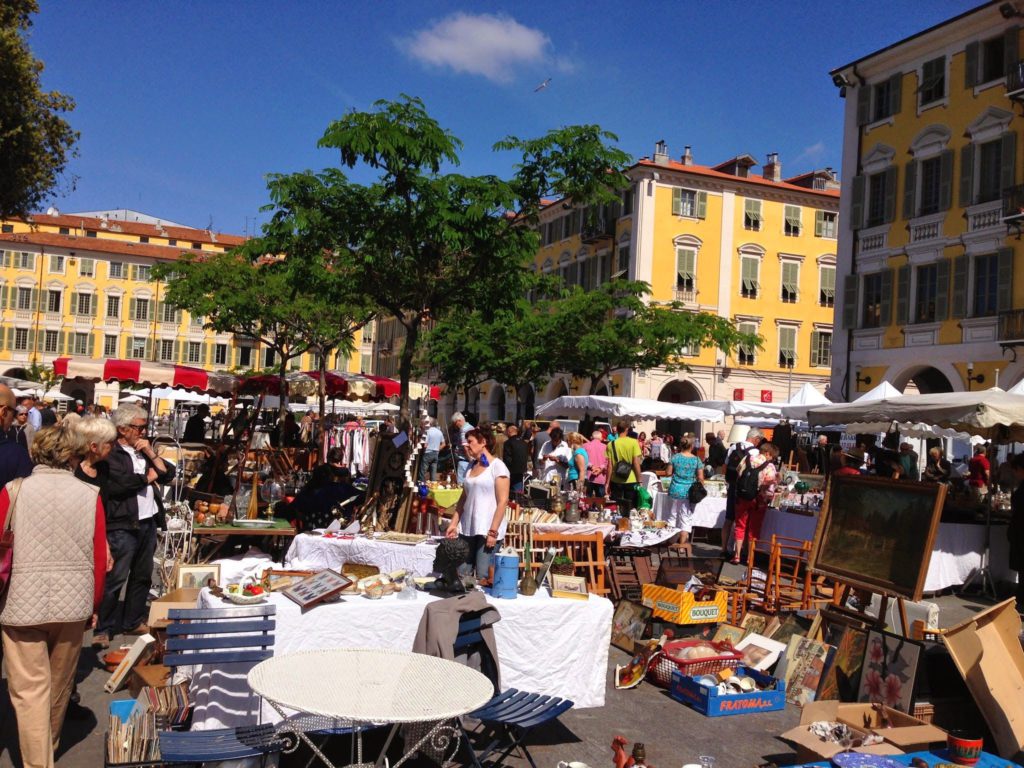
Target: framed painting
[[316, 589], [877, 534], [198, 576], [889, 672], [628, 624], [843, 675]]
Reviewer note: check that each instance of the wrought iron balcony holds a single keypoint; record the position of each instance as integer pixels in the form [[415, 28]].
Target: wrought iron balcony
[[1013, 203], [600, 229], [1011, 325], [1015, 81]]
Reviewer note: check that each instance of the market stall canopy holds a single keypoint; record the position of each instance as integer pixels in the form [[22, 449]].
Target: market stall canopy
[[300, 384], [990, 413], [884, 391], [175, 395], [391, 388], [805, 397], [25, 384], [741, 408], [1017, 389], [570, 406], [146, 373]]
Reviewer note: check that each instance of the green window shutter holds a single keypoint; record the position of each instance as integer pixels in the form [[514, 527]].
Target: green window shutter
[[863, 105], [159, 311], [134, 272], [885, 305], [5, 259], [942, 289], [206, 354], [10, 338], [895, 93], [959, 302], [1008, 160], [31, 339], [890, 193], [177, 317], [92, 344], [177, 351], [131, 310], [1010, 54], [857, 203], [35, 299], [971, 64], [815, 357], [702, 205], [910, 191], [32, 261], [73, 308], [149, 348], [54, 263], [966, 175], [94, 304], [5, 295], [850, 301], [677, 201], [686, 263], [1004, 297], [127, 347], [819, 223], [902, 294], [790, 276], [945, 180]]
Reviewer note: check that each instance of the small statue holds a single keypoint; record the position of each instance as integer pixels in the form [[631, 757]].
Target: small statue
[[451, 553], [637, 760]]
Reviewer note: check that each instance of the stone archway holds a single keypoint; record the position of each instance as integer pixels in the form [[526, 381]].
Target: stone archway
[[526, 407], [17, 373], [496, 403], [925, 379], [678, 391]]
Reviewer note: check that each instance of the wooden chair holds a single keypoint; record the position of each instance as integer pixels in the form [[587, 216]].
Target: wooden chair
[[586, 551]]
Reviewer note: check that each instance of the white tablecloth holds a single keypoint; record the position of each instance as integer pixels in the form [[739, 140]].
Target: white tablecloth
[[317, 552], [546, 645], [575, 529], [710, 513], [648, 537], [956, 553]]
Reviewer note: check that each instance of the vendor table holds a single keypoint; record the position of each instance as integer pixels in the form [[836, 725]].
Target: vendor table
[[309, 552], [648, 537], [210, 541], [546, 645], [710, 513], [938, 757], [372, 687], [574, 529], [956, 553]]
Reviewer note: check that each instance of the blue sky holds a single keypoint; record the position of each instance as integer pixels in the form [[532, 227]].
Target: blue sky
[[184, 106]]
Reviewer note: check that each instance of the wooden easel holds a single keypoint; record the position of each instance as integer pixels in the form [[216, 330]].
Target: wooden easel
[[842, 591]]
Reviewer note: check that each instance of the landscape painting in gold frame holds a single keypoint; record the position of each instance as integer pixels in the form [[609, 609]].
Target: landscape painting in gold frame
[[877, 533]]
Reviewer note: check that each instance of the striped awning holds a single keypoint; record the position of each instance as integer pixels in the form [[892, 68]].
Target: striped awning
[[144, 372]]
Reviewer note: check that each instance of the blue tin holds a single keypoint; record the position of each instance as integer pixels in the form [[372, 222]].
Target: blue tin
[[506, 576]]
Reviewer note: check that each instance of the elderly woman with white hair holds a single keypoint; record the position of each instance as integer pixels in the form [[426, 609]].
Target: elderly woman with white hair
[[134, 512], [98, 436]]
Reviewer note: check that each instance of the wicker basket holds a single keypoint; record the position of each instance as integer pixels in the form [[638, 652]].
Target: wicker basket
[[663, 664], [564, 569]]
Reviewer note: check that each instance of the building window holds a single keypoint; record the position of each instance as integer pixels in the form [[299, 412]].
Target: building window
[[197, 320], [197, 246], [986, 285], [993, 59], [990, 157], [6, 228], [927, 291], [141, 272], [21, 339], [825, 224], [87, 267], [110, 346], [882, 98], [933, 81], [167, 350], [827, 285], [821, 349], [752, 215], [81, 344], [872, 301], [622, 264], [137, 349], [172, 241], [746, 354], [24, 260], [195, 352], [876, 199], [116, 270], [56, 264], [931, 180], [169, 314], [24, 298], [686, 271], [51, 342], [787, 346], [750, 268], [687, 202], [245, 357], [64, 230], [143, 238], [90, 233], [269, 357], [790, 281], [141, 309], [791, 227], [84, 305], [113, 306], [220, 354], [53, 301]]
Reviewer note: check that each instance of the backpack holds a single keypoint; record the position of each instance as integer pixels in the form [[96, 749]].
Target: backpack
[[749, 482], [733, 463]]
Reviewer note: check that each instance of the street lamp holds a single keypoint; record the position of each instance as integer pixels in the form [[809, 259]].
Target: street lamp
[[980, 378], [866, 380]]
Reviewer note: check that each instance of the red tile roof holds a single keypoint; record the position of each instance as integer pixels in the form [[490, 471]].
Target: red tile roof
[[93, 245], [137, 228], [703, 170]]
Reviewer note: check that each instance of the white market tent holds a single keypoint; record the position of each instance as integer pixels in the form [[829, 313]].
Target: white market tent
[[805, 398], [626, 407], [175, 395], [741, 408]]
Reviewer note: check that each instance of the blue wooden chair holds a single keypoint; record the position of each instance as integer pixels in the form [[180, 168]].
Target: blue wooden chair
[[510, 716], [220, 636]]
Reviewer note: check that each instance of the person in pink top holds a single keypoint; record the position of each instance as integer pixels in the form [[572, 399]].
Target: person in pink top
[[598, 467]]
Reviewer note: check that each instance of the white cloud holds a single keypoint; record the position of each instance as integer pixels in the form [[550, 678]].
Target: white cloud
[[812, 153], [483, 44]]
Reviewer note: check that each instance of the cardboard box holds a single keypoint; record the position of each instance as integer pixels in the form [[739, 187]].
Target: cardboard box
[[186, 597], [809, 748], [148, 675], [681, 607], [986, 649], [907, 732], [708, 701]]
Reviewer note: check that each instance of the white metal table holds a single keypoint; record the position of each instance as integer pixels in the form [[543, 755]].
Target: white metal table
[[360, 687]]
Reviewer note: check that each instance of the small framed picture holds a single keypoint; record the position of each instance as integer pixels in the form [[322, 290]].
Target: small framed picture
[[574, 587], [316, 588], [197, 576], [275, 581], [545, 566], [628, 624]]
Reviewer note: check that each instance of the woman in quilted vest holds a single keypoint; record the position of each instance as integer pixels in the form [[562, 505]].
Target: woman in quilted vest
[[60, 559]]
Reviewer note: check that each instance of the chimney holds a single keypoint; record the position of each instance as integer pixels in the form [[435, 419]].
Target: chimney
[[687, 158], [772, 167], [661, 152]]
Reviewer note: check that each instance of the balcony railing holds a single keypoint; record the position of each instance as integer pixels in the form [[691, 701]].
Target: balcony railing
[[928, 230], [686, 295], [1015, 81], [601, 229], [1011, 325], [1013, 203], [984, 218], [873, 242]]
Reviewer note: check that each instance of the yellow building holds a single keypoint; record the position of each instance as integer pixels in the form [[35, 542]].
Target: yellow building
[[752, 247], [78, 285], [931, 296]]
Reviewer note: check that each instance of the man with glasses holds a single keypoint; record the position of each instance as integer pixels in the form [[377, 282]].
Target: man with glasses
[[14, 460], [134, 512]]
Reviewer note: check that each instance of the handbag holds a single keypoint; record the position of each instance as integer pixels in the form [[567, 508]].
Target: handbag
[[697, 492], [7, 540], [622, 469]]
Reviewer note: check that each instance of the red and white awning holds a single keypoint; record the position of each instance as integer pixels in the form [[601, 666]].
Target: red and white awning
[[143, 372], [392, 388]]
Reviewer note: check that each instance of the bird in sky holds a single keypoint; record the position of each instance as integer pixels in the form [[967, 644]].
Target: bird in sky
[[542, 86]]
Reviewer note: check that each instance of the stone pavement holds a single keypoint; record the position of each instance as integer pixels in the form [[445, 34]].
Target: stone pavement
[[674, 734]]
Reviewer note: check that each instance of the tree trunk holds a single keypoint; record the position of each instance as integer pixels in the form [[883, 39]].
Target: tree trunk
[[323, 391], [412, 333], [282, 405]]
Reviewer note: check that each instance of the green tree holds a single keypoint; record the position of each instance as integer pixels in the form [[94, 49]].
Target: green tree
[[35, 141], [615, 327], [459, 351]]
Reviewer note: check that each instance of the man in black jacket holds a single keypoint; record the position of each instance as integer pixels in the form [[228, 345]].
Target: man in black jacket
[[134, 512], [516, 455]]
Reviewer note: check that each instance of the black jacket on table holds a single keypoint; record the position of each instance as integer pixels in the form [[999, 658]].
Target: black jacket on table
[[122, 490]]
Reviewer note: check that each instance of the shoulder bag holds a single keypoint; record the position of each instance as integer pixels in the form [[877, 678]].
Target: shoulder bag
[[7, 539], [622, 469]]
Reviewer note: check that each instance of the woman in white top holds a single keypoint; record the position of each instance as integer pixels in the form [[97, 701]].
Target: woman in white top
[[556, 456], [480, 514]]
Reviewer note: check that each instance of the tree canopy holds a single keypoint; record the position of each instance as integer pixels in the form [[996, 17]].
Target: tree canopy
[[36, 142]]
